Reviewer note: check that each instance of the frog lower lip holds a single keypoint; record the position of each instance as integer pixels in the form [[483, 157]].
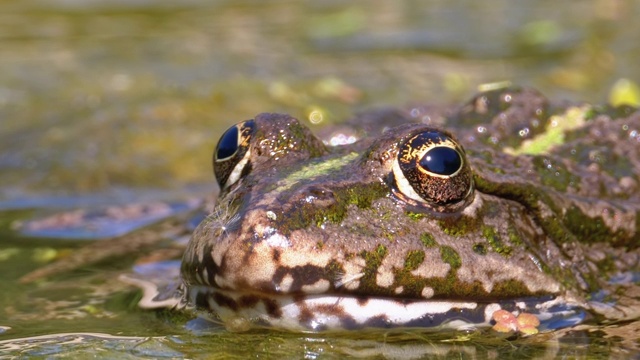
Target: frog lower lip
[[339, 312]]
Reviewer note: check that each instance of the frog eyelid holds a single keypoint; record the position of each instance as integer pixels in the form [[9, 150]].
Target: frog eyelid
[[235, 174], [403, 184], [232, 153]]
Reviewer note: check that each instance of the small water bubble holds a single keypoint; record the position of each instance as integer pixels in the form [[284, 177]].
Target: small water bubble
[[573, 151], [415, 112], [625, 127], [482, 129], [493, 139], [342, 139], [523, 132], [316, 116]]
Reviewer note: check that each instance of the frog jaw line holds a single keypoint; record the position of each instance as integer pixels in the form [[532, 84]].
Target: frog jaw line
[[335, 313]]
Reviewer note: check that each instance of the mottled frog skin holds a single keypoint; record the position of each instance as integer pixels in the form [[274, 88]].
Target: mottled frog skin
[[434, 217]]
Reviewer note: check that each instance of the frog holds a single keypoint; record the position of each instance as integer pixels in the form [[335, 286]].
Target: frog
[[506, 211], [435, 217]]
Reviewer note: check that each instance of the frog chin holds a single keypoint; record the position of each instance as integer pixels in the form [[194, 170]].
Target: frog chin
[[242, 311]]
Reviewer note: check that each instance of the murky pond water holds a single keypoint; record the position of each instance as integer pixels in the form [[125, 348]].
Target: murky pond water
[[112, 102]]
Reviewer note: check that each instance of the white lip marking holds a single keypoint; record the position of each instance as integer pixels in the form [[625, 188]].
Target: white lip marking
[[325, 312]]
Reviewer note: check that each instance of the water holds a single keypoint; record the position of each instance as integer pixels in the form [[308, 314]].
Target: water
[[114, 101]]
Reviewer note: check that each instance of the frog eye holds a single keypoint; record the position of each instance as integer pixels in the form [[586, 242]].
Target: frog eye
[[431, 170], [231, 157]]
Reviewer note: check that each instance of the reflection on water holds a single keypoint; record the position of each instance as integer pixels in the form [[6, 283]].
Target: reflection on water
[[405, 345], [87, 345], [111, 100]]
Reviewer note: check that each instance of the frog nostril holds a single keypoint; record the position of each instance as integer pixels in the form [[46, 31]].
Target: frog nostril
[[320, 193]]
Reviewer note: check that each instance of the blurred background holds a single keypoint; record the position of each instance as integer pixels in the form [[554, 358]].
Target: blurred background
[[125, 99]]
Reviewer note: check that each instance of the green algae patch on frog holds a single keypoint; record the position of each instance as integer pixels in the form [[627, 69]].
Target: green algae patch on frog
[[459, 226], [414, 259], [315, 169], [593, 229], [514, 237], [373, 261], [554, 135], [305, 213], [450, 256], [493, 238], [428, 240]]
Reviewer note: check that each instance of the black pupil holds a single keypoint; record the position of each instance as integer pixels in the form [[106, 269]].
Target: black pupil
[[228, 144], [441, 160]]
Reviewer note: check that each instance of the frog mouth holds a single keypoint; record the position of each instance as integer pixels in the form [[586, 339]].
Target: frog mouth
[[240, 311]]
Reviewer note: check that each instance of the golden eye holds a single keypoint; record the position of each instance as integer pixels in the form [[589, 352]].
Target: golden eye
[[231, 157], [431, 170]]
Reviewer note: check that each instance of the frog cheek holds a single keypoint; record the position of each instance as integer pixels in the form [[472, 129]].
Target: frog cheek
[[231, 156], [431, 170]]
